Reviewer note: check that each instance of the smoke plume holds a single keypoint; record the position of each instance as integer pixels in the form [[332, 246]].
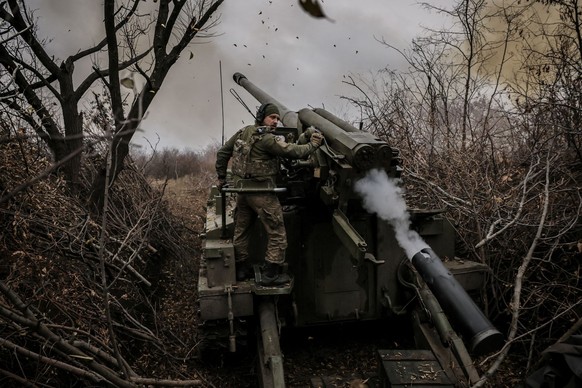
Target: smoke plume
[[382, 196]]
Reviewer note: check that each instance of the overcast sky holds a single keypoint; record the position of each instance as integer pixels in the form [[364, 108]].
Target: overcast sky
[[296, 58]]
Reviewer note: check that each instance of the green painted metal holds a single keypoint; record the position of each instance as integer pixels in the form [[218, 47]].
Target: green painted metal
[[346, 263]]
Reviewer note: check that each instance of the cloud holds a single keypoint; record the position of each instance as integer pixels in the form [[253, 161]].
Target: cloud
[[296, 58]]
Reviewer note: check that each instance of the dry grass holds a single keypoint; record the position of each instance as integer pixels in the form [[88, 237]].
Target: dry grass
[[186, 198]]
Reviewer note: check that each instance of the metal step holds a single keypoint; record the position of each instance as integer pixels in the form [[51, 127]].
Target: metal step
[[258, 289]]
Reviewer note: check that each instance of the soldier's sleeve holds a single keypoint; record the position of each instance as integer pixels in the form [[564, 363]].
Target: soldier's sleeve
[[277, 145], [223, 156]]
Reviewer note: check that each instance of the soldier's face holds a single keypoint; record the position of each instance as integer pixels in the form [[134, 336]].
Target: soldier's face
[[271, 120]]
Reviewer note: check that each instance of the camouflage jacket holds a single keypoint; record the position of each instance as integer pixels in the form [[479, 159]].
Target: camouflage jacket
[[255, 151]]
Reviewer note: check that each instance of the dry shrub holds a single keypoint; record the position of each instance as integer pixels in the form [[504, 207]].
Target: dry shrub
[[56, 260], [513, 210]]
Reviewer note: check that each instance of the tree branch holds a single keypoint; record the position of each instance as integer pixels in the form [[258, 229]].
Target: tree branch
[[515, 304], [491, 234], [16, 20]]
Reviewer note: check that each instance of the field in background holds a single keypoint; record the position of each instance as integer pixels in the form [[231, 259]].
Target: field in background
[[186, 198]]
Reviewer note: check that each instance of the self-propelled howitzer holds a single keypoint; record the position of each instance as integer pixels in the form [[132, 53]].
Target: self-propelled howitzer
[[347, 263]]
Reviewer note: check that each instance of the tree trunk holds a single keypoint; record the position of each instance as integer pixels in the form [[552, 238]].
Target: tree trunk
[[120, 145], [73, 123]]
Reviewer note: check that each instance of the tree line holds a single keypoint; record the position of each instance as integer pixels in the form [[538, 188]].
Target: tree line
[[173, 163]]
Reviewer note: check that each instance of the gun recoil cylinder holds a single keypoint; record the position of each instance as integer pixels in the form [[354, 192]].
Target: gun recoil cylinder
[[482, 336], [336, 120]]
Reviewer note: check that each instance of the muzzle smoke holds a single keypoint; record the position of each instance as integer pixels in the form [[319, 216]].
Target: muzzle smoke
[[382, 196]]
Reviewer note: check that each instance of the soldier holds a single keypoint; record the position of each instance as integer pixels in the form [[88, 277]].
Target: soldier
[[254, 150]]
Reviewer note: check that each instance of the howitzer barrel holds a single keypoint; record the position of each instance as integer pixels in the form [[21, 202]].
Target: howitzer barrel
[[336, 120], [360, 149], [483, 337], [288, 117]]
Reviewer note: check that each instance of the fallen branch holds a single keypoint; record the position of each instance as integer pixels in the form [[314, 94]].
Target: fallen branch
[[42, 175], [37, 326], [23, 382], [166, 383], [52, 362]]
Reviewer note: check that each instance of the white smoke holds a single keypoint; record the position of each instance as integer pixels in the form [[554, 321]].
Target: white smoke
[[383, 196]]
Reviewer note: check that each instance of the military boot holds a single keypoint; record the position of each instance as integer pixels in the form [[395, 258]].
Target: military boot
[[243, 271], [273, 276]]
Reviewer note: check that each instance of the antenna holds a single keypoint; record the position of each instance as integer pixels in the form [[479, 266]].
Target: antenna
[[224, 233], [221, 100]]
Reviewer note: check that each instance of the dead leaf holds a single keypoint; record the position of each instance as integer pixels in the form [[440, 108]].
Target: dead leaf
[[313, 8], [127, 82]]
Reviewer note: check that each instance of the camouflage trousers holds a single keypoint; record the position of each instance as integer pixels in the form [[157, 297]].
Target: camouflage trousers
[[268, 209]]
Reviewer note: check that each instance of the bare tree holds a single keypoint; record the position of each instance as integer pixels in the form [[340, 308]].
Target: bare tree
[[41, 90], [552, 79]]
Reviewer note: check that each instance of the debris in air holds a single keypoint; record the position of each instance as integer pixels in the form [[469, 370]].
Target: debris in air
[[313, 8]]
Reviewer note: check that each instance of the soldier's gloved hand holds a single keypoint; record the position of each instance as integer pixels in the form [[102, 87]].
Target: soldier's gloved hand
[[316, 139], [221, 183]]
